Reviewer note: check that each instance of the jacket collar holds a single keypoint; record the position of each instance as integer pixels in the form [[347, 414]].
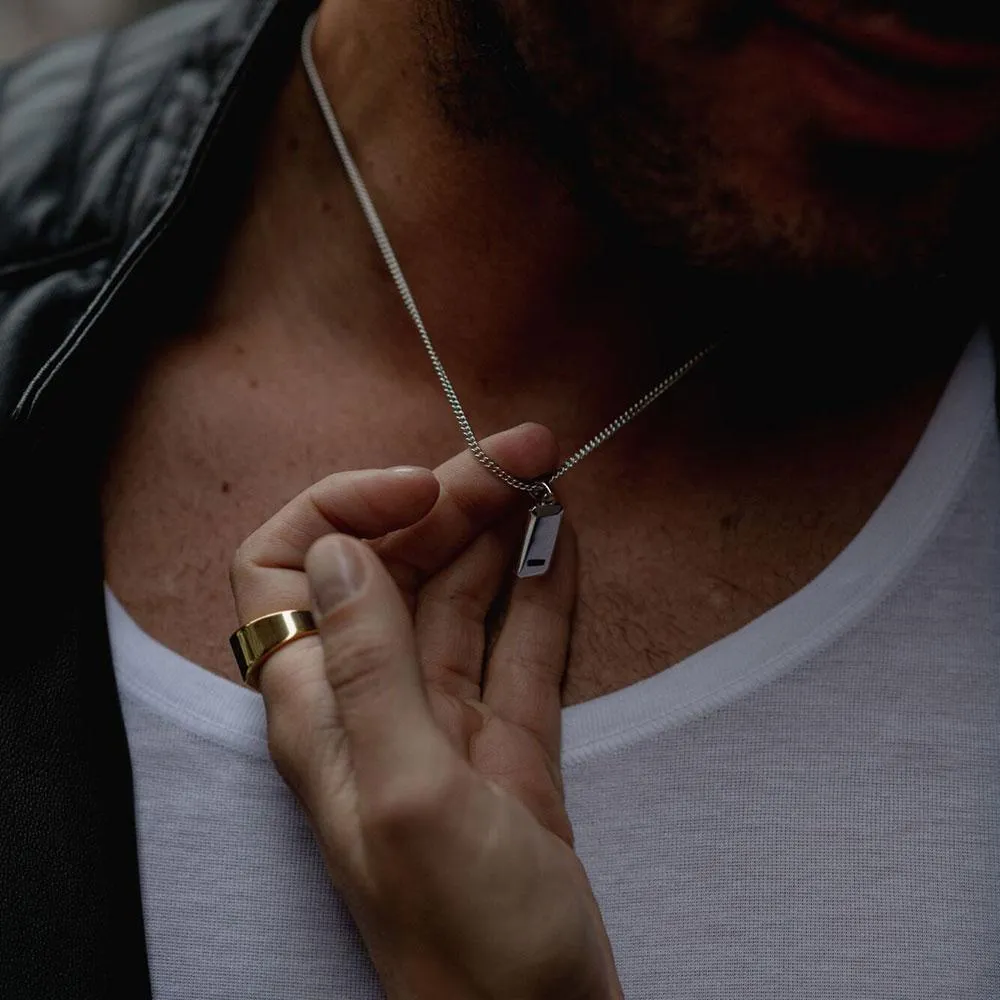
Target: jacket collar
[[72, 907], [256, 39]]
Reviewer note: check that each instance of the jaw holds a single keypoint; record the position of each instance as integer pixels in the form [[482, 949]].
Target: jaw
[[675, 123]]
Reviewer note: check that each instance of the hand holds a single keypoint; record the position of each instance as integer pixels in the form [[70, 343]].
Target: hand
[[434, 791]]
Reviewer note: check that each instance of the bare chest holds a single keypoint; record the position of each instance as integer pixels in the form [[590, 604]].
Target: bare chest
[[177, 507], [170, 568], [205, 457]]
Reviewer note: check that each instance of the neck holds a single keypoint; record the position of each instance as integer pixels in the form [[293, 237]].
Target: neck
[[524, 296]]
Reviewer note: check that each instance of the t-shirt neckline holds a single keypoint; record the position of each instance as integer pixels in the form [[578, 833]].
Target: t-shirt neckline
[[849, 587], [905, 521]]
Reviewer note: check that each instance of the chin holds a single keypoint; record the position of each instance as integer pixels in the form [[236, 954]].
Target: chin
[[754, 196], [681, 127]]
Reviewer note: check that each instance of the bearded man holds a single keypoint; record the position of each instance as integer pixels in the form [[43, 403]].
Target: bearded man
[[268, 271]]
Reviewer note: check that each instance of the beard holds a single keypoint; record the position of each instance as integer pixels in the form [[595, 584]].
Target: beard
[[677, 138]]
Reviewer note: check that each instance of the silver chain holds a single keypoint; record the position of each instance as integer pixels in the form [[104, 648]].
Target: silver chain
[[538, 489]]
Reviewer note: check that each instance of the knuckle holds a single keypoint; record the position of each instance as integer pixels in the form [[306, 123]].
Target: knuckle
[[293, 681], [545, 602], [407, 811], [537, 664], [279, 749], [464, 504], [244, 560], [285, 749], [356, 662], [490, 548], [238, 565], [454, 605], [467, 588]]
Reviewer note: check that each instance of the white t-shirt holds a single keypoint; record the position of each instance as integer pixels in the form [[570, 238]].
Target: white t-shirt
[[809, 808]]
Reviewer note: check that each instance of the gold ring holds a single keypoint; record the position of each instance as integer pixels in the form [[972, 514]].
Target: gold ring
[[259, 640]]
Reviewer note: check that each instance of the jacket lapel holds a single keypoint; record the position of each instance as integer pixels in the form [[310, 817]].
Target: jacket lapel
[[70, 901]]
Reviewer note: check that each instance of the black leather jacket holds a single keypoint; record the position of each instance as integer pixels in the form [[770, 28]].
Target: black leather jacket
[[122, 157]]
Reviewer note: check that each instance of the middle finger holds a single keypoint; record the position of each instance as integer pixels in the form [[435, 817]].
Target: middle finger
[[471, 499]]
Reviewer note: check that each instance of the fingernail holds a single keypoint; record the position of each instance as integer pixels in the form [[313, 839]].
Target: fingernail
[[407, 470], [336, 573]]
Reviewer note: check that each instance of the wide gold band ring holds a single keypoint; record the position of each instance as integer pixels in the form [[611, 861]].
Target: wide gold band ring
[[256, 642]]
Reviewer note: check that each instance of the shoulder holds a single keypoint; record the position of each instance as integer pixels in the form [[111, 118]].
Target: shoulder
[[101, 139], [90, 129]]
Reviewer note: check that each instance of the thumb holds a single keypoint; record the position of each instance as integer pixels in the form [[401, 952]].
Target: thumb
[[371, 659]]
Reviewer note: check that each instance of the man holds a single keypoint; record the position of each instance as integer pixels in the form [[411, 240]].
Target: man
[[197, 328]]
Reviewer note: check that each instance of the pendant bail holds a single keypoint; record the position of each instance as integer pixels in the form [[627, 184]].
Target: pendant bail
[[542, 493]]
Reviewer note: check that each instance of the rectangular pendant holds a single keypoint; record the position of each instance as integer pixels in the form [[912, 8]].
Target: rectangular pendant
[[540, 540]]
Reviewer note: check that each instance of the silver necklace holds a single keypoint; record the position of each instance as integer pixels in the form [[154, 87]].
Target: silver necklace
[[546, 515]]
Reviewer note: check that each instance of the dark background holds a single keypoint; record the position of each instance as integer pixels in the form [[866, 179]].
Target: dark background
[[27, 24]]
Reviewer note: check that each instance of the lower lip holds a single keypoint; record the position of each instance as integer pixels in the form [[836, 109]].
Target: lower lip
[[860, 104]]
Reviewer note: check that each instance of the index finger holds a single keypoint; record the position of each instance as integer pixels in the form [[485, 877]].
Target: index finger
[[471, 500], [268, 571]]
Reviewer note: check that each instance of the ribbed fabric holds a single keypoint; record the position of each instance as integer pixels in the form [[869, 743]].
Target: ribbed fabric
[[806, 809]]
